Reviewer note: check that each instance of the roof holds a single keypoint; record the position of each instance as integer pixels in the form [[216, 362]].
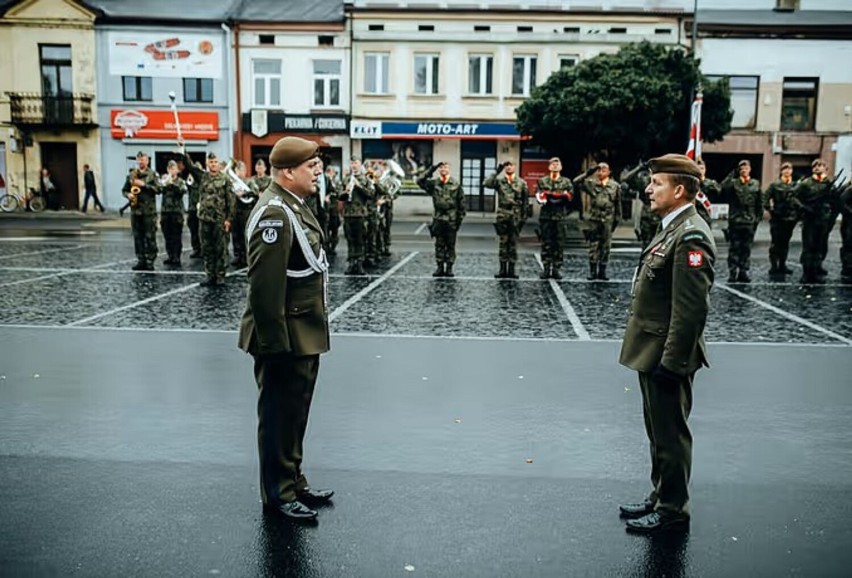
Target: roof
[[288, 11], [826, 24], [211, 11]]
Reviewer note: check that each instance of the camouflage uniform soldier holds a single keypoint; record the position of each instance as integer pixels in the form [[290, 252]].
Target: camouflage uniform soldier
[[846, 235], [261, 180], [316, 202], [818, 214], [783, 206], [143, 212], [555, 193], [215, 214], [708, 191], [244, 204], [449, 211], [603, 210], [385, 204], [357, 195], [649, 220], [512, 210], [332, 196], [192, 187], [171, 214], [742, 193], [371, 223]]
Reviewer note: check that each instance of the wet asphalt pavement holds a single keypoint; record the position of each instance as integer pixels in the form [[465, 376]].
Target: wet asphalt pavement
[[470, 426]]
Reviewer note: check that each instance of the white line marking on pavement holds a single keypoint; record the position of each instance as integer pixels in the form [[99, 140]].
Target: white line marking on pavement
[[61, 272], [420, 229], [786, 314], [360, 294], [44, 252], [576, 324]]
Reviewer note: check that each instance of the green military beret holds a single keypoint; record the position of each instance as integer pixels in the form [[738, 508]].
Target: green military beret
[[675, 165], [291, 151]]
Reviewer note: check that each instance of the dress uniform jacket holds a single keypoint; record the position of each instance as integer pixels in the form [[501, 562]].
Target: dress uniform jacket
[[670, 299], [286, 309]]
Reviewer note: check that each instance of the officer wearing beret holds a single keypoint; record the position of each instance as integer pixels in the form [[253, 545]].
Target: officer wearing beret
[[285, 324], [664, 339]]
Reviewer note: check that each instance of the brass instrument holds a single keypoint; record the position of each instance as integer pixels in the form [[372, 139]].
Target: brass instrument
[[133, 195], [391, 179], [243, 192], [166, 180]]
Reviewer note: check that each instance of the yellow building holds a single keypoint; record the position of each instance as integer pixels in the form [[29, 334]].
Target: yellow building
[[47, 97]]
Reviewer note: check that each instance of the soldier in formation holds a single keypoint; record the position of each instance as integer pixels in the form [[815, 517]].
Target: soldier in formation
[[449, 211], [846, 235], [555, 193], [819, 209], [332, 188], [384, 202], [261, 180], [244, 203], [216, 210], [602, 207], [708, 191], [783, 207], [141, 189], [171, 213], [357, 196], [191, 206], [318, 203], [513, 209], [633, 184], [742, 193]]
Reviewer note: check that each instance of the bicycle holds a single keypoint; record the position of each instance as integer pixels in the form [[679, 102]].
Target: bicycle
[[13, 201]]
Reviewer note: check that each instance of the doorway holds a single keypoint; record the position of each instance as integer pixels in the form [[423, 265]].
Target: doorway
[[479, 160], [60, 158]]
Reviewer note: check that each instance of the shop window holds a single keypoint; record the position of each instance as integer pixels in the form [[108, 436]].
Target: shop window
[[413, 156], [798, 103]]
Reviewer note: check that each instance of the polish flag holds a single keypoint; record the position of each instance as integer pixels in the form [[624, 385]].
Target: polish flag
[[693, 151]]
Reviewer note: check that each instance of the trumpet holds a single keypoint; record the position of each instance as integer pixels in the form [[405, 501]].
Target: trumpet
[[166, 179]]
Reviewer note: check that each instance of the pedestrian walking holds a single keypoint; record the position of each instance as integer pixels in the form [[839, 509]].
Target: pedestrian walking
[[90, 190], [664, 339], [285, 325]]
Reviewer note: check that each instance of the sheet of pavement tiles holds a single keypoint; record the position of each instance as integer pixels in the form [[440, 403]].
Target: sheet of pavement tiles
[[210, 309], [483, 265], [71, 257], [9, 249], [603, 307], [458, 308], [12, 276]]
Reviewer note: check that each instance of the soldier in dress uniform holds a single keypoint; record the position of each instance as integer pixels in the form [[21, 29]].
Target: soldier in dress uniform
[[664, 339], [449, 211], [602, 204], [171, 213], [512, 210], [818, 211], [742, 193], [244, 203], [357, 195], [285, 325], [783, 206], [143, 211], [216, 210], [555, 193]]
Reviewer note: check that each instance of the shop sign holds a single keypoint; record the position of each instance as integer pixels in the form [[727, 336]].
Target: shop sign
[[366, 129], [160, 124], [315, 123], [450, 130]]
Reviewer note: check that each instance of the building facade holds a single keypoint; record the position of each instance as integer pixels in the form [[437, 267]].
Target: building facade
[[433, 85], [48, 118]]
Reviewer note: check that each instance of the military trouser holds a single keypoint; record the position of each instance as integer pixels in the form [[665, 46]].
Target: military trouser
[[846, 249], [214, 249], [353, 228], [445, 233], [285, 385], [779, 247], [600, 240], [386, 230], [144, 229], [238, 230], [333, 233], [172, 226], [666, 409], [192, 223], [507, 233], [740, 239], [552, 241], [371, 232], [815, 234]]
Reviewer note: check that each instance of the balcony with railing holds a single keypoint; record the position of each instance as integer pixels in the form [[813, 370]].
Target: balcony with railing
[[38, 111]]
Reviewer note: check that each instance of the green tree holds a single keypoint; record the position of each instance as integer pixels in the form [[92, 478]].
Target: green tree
[[623, 107]]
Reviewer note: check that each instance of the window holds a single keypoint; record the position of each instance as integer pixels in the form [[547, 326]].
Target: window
[[55, 70], [198, 90], [798, 103], [426, 73], [266, 39], [326, 83], [137, 88], [267, 83], [523, 75], [525, 28], [480, 74], [568, 61], [325, 40], [618, 30], [376, 27], [571, 29], [482, 29], [376, 72], [426, 28], [743, 99]]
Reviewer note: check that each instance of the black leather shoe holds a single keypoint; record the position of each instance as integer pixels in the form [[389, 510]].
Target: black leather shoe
[[207, 283], [315, 497], [657, 522], [636, 510], [140, 266], [294, 510]]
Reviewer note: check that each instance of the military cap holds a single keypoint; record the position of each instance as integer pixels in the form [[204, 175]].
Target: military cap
[[141, 154], [817, 162], [786, 166], [291, 151], [355, 158], [554, 160], [211, 155], [674, 164], [743, 163], [171, 164]]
